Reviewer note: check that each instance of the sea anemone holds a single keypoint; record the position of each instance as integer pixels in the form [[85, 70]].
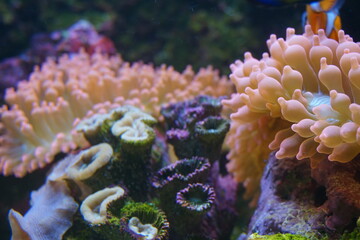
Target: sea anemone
[[39, 117], [301, 101]]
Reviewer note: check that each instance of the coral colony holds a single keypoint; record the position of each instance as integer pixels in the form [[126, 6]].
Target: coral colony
[[146, 152], [43, 111]]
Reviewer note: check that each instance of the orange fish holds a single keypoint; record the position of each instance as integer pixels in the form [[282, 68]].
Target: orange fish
[[324, 15]]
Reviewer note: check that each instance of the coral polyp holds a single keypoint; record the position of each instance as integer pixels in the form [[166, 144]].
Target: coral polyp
[[195, 127], [196, 198], [96, 206], [302, 100]]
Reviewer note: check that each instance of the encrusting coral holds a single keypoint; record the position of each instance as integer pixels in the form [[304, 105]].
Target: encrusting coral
[[302, 101], [37, 123]]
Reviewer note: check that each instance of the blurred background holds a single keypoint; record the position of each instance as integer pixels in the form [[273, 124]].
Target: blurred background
[[196, 32]]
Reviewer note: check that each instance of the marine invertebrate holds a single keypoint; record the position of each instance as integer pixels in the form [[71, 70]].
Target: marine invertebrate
[[81, 34], [96, 206], [301, 101], [97, 216], [144, 221], [195, 127], [196, 198], [128, 130], [119, 126], [37, 123], [91, 167], [179, 184], [146, 231], [192, 204], [50, 215], [172, 178]]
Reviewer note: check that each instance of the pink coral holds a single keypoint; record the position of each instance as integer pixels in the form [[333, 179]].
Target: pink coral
[[43, 111], [302, 101]]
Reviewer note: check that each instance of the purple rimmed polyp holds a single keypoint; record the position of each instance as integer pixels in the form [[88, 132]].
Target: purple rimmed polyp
[[196, 198], [184, 171]]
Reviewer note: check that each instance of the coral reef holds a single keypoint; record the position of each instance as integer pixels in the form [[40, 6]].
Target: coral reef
[[300, 101], [120, 154], [94, 208], [127, 161], [178, 184], [289, 201], [133, 215], [81, 35], [90, 167], [110, 214], [43, 111], [278, 236], [195, 127], [341, 182], [129, 132], [174, 177], [192, 204]]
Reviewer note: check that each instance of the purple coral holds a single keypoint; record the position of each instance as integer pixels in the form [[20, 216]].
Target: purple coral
[[196, 198], [195, 127], [182, 172]]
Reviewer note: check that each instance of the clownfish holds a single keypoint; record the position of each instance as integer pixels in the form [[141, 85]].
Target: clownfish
[[322, 14]]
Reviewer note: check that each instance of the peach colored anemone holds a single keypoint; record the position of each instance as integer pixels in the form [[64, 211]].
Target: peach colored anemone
[[43, 111], [302, 100]]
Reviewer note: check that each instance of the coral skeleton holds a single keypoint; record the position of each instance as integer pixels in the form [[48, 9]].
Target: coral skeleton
[[302, 100], [39, 118]]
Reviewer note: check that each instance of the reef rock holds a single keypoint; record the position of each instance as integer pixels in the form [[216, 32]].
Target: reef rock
[[289, 200]]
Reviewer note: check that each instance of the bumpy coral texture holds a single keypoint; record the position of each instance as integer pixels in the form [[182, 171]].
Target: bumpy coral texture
[[43, 111], [302, 100]]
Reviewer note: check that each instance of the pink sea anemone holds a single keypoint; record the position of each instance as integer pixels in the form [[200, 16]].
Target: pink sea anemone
[[302, 101], [40, 116]]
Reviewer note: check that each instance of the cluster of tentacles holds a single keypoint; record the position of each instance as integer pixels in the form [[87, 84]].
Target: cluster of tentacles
[[301, 100]]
